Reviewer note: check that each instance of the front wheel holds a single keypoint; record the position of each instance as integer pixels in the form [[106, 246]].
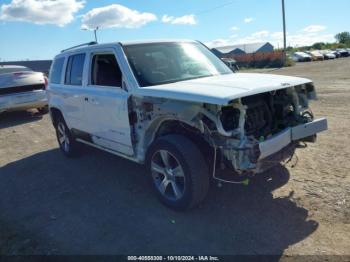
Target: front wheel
[[179, 173]]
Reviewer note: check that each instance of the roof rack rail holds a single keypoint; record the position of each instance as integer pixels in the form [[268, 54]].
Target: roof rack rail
[[73, 47]]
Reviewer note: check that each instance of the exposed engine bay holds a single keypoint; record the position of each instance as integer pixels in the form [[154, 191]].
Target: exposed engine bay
[[255, 119], [269, 113], [242, 134]]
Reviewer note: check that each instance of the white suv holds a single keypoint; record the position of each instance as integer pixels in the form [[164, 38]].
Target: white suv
[[176, 107]]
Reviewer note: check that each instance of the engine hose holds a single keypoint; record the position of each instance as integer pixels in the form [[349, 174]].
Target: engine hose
[[308, 114]]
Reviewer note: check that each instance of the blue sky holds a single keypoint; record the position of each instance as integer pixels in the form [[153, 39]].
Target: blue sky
[[39, 29]]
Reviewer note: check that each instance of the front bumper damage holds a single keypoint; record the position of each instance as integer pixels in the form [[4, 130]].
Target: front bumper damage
[[298, 133], [251, 156]]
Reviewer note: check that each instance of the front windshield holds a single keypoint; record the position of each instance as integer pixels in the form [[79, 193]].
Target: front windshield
[[162, 63]]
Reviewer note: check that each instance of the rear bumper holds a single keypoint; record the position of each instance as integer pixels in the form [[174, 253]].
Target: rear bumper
[[22, 101], [282, 140], [305, 59]]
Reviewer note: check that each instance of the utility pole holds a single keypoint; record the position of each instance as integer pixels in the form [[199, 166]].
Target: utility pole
[[284, 32]]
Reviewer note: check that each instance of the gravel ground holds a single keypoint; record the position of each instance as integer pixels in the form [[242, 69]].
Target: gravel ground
[[101, 204]]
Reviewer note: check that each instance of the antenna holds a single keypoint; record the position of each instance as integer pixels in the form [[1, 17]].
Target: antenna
[[95, 32]]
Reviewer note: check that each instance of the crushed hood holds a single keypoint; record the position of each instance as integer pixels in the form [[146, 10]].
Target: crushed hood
[[222, 89]]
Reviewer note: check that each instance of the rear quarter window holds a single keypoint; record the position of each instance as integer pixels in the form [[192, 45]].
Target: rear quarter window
[[56, 71], [74, 71]]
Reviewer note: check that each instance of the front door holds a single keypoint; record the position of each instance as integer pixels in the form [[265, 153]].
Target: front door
[[106, 104]]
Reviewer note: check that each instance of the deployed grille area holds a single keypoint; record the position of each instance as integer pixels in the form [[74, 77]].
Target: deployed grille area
[[266, 114], [259, 118], [21, 89], [229, 118]]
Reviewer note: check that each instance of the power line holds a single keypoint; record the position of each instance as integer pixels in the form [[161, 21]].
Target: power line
[[214, 8], [201, 12]]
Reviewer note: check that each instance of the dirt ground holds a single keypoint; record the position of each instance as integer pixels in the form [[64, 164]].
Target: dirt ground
[[101, 204]]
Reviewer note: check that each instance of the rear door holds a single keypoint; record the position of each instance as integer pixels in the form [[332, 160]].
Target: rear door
[[72, 91], [106, 103]]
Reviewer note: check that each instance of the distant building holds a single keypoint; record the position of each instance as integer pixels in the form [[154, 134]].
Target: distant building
[[38, 66], [243, 49]]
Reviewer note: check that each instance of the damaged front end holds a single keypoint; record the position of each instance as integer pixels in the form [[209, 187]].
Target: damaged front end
[[246, 136], [253, 133]]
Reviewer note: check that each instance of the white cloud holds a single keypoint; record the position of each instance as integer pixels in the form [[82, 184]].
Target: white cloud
[[182, 20], [309, 39], [277, 35], [301, 39], [261, 34], [59, 12], [235, 28], [314, 28], [115, 16], [218, 42], [248, 20], [275, 38]]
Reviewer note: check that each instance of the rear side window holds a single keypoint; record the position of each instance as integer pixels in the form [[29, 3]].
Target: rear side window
[[105, 71], [56, 71], [74, 71]]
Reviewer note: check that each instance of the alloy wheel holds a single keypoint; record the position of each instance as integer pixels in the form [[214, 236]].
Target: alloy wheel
[[63, 137], [168, 175]]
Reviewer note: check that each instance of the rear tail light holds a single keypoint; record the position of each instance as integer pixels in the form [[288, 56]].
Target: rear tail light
[[18, 74], [46, 82]]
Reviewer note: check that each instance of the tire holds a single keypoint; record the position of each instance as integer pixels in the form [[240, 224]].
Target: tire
[[43, 110], [65, 139], [178, 171]]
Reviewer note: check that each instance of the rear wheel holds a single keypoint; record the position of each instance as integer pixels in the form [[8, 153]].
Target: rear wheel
[[66, 141], [179, 173], [43, 110]]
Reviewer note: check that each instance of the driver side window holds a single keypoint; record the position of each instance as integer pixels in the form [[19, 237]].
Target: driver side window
[[105, 71]]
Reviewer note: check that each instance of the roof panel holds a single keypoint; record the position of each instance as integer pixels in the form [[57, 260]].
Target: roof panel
[[247, 48]]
